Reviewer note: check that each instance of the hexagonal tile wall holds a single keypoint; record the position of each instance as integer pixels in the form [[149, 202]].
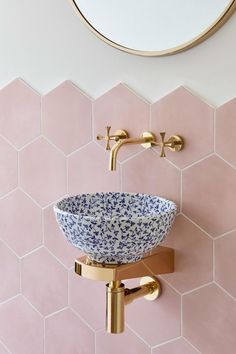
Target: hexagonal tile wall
[[226, 131], [67, 333], [44, 282], [87, 298], [56, 242], [182, 113], [121, 108], [158, 321], [10, 265], [20, 110], [147, 173], [225, 262], [67, 117], [8, 167], [42, 170], [126, 342], [177, 346], [209, 189], [21, 327], [197, 312], [209, 320], [193, 256], [21, 222], [81, 174]]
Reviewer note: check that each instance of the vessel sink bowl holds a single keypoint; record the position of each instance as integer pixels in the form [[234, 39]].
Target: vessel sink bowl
[[115, 228]]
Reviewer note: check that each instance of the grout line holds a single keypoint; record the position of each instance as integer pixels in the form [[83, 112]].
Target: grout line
[[78, 149], [82, 319], [191, 345], [214, 131], [44, 335], [198, 288], [199, 227], [181, 192], [165, 280], [133, 156], [139, 96], [8, 193], [5, 347], [181, 315], [32, 251], [10, 248], [53, 145], [55, 257], [150, 117], [8, 142], [10, 299], [32, 306], [166, 342], [30, 197], [200, 160], [227, 162], [225, 234], [137, 335], [224, 290], [40, 136], [41, 115], [56, 312], [213, 262]]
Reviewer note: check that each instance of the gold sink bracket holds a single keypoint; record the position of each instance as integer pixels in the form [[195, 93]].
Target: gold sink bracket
[[158, 261], [175, 143]]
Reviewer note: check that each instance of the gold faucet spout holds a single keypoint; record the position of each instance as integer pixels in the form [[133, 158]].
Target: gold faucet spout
[[146, 138]]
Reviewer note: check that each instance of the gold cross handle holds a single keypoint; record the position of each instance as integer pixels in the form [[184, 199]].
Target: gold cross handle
[[119, 134], [174, 143]]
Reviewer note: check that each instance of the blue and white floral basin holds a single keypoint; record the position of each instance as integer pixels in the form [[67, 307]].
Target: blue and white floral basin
[[115, 227]]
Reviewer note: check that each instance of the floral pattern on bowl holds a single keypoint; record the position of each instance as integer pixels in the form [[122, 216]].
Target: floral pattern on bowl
[[115, 227]]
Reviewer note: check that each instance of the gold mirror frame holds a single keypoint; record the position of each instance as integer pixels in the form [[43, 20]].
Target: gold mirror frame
[[225, 15]]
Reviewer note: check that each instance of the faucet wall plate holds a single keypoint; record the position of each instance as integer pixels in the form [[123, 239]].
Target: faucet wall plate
[[156, 288]]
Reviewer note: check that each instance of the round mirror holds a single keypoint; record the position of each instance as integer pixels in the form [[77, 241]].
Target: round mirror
[[154, 27]]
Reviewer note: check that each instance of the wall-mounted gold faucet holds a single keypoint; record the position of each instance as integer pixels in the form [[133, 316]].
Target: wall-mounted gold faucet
[[160, 260], [147, 140]]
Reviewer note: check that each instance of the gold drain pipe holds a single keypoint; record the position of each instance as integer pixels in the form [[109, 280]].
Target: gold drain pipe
[[117, 296], [159, 261]]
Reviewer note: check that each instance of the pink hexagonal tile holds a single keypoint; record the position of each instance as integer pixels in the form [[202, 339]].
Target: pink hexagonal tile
[[21, 327], [126, 342], [9, 273], [3, 349], [56, 242], [66, 333], [44, 281], [157, 321], [209, 320], [225, 262], [67, 117], [88, 171], [120, 108], [8, 167], [87, 297], [19, 113], [43, 172], [182, 113], [177, 346], [209, 190], [21, 222], [226, 131], [148, 173], [193, 255]]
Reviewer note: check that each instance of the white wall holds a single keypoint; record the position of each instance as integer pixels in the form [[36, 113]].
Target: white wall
[[44, 42]]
